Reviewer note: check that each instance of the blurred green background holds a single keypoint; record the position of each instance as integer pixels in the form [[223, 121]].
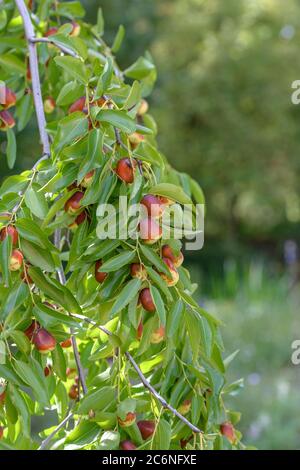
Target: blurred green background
[[223, 106]]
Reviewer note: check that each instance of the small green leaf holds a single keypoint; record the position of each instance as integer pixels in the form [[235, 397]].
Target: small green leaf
[[118, 39], [69, 93], [21, 341], [171, 191], [11, 149], [74, 67], [119, 119], [2, 352], [38, 256], [59, 362], [36, 202], [159, 304], [140, 69], [97, 400], [154, 259], [126, 295], [116, 262], [5, 253]]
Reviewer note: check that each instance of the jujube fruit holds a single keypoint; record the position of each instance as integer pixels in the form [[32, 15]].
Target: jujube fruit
[[16, 260], [127, 445], [147, 428], [44, 341], [125, 170], [49, 105], [9, 97], [158, 335], [10, 231], [167, 252], [173, 271], [128, 421], [67, 343], [150, 231], [146, 300], [6, 120], [228, 431], [138, 270], [99, 276], [153, 205], [73, 204]]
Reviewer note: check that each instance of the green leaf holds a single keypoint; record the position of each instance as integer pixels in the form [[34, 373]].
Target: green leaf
[[70, 9], [140, 69], [174, 318], [100, 22], [97, 400], [21, 341], [59, 362], [94, 156], [84, 433], [74, 67], [19, 402], [134, 95], [116, 262], [110, 440], [15, 297], [36, 202], [69, 93], [126, 295], [24, 111], [118, 39], [32, 232], [49, 317], [154, 259], [70, 128], [11, 149], [12, 64], [5, 253], [171, 191], [162, 436], [199, 332], [159, 281], [2, 352], [7, 373], [158, 302], [119, 119], [126, 406], [29, 375], [38, 256], [3, 19]]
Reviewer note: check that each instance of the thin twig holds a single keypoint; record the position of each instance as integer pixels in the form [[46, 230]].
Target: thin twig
[[35, 78], [62, 279], [64, 49], [143, 379], [47, 441]]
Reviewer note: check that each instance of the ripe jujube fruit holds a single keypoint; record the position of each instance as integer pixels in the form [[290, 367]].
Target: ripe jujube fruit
[[147, 428], [32, 328], [49, 105], [143, 108], [99, 276], [165, 201], [127, 445], [78, 221], [138, 270], [173, 271], [10, 231], [128, 421], [135, 139], [73, 204], [67, 343], [79, 105], [16, 260], [73, 392], [51, 31], [158, 335], [76, 29], [153, 205], [87, 180], [146, 300], [47, 371], [150, 231], [44, 341], [228, 431], [167, 252], [139, 331], [9, 97], [6, 120], [125, 170]]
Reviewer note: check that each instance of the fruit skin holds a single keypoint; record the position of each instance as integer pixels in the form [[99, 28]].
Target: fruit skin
[[73, 204], [1, 431], [6, 120], [44, 341], [135, 139], [153, 205], [87, 180], [128, 421], [2, 397], [9, 98], [10, 231], [146, 300], [76, 29], [165, 201], [228, 431], [47, 371], [30, 331], [138, 270], [173, 271], [127, 445], [139, 331], [78, 221], [143, 108], [167, 252], [67, 343], [100, 277], [16, 260], [158, 335], [78, 105], [73, 392], [49, 105], [125, 170], [150, 231], [50, 32], [185, 407], [146, 428]]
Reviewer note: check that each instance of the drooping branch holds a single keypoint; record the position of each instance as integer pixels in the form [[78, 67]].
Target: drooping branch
[[35, 78], [143, 379]]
